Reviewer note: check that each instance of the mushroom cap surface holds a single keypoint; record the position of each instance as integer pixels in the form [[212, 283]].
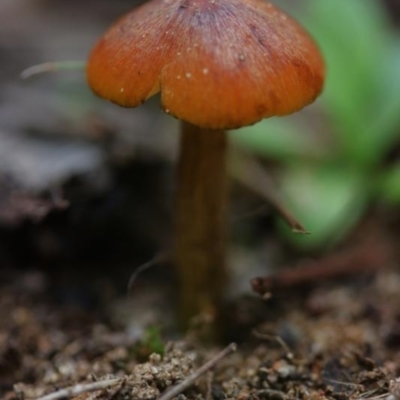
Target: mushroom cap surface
[[219, 64]]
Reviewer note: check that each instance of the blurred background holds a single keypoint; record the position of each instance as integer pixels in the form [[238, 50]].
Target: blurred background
[[86, 187]]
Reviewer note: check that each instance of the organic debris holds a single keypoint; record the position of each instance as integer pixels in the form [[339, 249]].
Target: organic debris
[[341, 342]]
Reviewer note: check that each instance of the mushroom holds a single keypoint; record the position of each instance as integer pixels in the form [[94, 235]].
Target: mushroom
[[218, 65]]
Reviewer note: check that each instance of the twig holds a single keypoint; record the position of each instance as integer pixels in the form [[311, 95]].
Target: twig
[[117, 390], [159, 258], [369, 256], [369, 393], [393, 394], [81, 388], [51, 67], [190, 380], [272, 394], [385, 396], [349, 384], [210, 378], [394, 389], [275, 338], [249, 172], [256, 212]]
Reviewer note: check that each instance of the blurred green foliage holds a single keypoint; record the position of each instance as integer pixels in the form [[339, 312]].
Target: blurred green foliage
[[153, 341], [334, 155], [150, 343]]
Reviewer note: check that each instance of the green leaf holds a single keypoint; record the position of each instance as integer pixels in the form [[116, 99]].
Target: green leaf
[[352, 36], [153, 341], [327, 200], [383, 123], [278, 138], [389, 185]]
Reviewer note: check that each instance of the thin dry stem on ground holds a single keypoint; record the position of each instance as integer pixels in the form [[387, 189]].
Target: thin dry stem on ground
[[191, 379], [81, 388]]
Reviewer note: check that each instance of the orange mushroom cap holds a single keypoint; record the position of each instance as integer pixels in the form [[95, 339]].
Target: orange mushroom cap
[[218, 64]]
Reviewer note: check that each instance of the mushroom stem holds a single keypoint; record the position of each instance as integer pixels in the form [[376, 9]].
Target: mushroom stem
[[201, 221]]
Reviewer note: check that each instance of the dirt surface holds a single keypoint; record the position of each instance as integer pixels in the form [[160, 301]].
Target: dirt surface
[[336, 341]]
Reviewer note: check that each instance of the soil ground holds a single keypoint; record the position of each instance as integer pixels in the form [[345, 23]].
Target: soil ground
[[337, 340]]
